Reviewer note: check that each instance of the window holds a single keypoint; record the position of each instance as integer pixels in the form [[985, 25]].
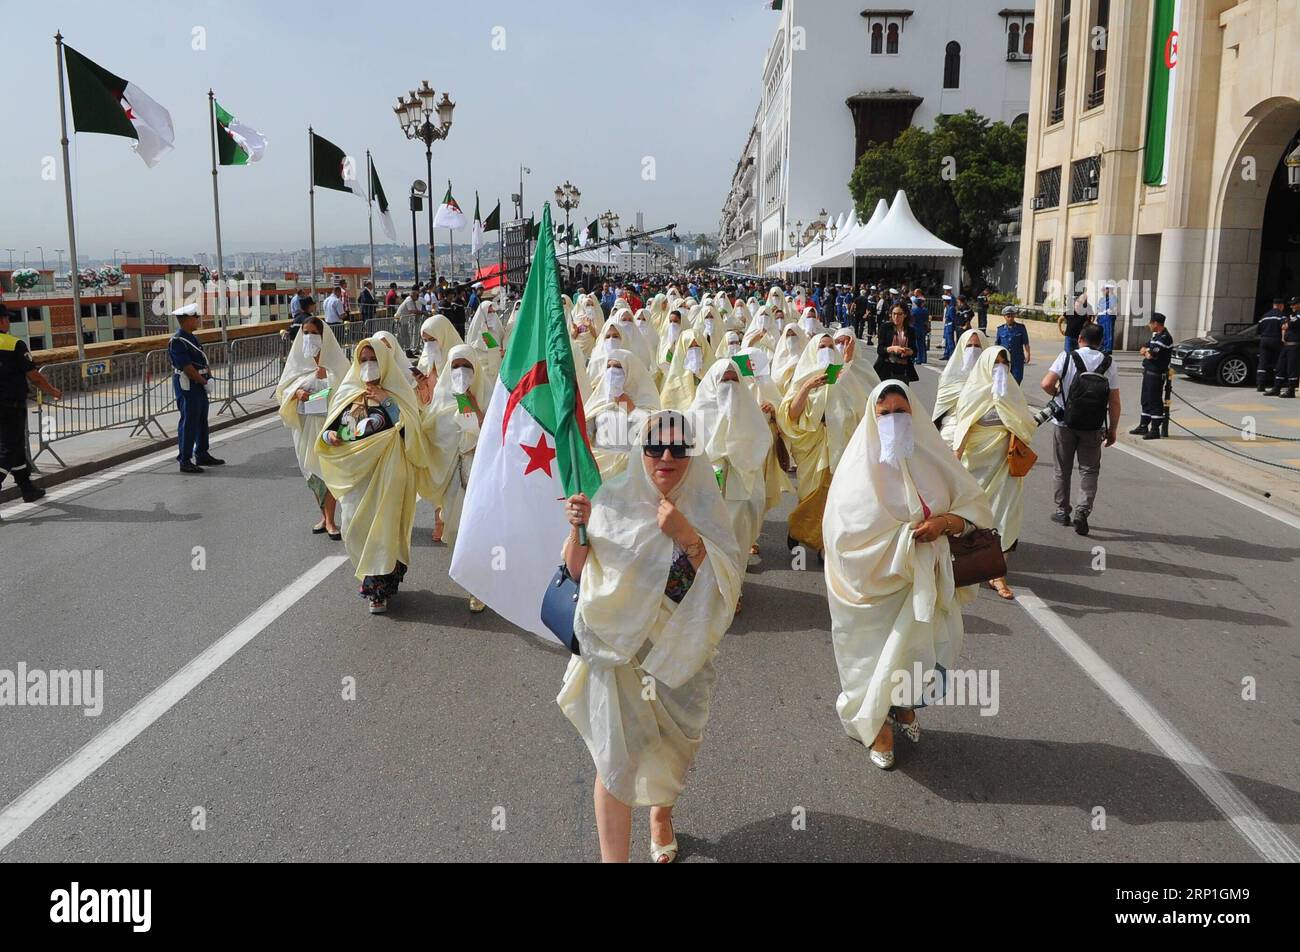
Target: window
[[36, 343], [1062, 63], [952, 66], [885, 27], [1044, 262], [1098, 40], [891, 43], [1048, 193], [877, 38], [17, 314], [1013, 39], [1085, 175], [1028, 47], [1078, 260]]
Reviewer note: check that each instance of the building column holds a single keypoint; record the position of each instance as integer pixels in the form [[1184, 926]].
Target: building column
[[1179, 279]]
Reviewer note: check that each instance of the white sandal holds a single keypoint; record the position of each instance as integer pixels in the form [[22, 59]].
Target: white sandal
[[657, 852]]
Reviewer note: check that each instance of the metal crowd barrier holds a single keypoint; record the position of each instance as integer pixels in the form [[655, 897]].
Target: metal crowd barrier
[[134, 390]]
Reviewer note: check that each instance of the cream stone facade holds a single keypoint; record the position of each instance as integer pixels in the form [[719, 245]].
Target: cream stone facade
[[1194, 248]]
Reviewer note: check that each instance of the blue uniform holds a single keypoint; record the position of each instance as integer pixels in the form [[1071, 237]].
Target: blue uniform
[[921, 325], [949, 329], [1015, 338], [1106, 318], [191, 399]]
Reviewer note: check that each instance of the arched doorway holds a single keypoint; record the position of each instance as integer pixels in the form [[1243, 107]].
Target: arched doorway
[[1254, 254]]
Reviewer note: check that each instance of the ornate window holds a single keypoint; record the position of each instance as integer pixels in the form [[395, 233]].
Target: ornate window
[[891, 41], [952, 65], [877, 38]]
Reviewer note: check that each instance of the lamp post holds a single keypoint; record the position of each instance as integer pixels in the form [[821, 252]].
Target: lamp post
[[633, 233], [567, 197], [59, 252], [610, 220], [415, 116], [418, 189], [42, 251]]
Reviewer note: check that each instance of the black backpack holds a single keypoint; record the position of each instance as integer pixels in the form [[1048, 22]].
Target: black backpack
[[1089, 397]]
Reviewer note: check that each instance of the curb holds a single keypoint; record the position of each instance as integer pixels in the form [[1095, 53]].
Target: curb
[[77, 470], [1243, 486]]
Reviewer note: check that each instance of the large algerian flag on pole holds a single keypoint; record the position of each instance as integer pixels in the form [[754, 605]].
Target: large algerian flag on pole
[[532, 453], [377, 192], [103, 102], [238, 144], [476, 235], [449, 214], [331, 168], [1164, 82]]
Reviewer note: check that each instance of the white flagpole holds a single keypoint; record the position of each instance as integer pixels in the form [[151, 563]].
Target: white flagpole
[[311, 193], [216, 210], [370, 217], [67, 198]]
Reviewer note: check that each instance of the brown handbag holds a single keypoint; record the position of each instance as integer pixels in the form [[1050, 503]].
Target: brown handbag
[[1020, 457], [977, 557]]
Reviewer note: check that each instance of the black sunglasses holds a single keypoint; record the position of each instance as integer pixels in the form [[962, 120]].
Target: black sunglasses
[[656, 450]]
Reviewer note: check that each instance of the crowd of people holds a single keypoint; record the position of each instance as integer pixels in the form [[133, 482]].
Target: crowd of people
[[706, 405]]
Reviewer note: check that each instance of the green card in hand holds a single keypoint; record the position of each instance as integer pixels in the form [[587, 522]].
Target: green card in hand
[[463, 403], [833, 372], [489, 339]]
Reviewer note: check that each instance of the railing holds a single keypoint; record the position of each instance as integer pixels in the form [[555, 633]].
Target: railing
[[135, 390]]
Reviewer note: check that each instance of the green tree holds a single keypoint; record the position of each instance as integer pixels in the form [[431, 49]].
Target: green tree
[[960, 178]]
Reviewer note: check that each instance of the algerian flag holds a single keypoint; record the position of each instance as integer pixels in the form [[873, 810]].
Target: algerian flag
[[1164, 79], [532, 453], [591, 234], [449, 214], [773, 4], [493, 222], [102, 102], [330, 168], [237, 144], [377, 193], [476, 235]]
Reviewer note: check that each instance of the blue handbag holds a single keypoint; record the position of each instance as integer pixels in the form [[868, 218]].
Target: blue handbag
[[559, 606]]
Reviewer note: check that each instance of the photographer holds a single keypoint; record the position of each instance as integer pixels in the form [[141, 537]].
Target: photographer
[[1084, 386]]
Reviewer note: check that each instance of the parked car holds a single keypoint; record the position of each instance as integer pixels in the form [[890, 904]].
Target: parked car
[[1226, 358]]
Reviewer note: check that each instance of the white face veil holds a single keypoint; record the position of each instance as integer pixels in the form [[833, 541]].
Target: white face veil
[[955, 372], [979, 396], [731, 428], [299, 368]]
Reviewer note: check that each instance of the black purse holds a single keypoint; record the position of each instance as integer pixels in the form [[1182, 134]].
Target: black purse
[[559, 606]]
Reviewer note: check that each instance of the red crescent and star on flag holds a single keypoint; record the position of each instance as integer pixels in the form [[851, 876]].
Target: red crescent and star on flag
[[539, 456], [1171, 49]]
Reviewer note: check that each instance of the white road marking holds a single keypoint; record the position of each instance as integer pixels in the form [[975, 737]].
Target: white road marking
[[59, 782], [95, 480], [1227, 492], [1265, 837]]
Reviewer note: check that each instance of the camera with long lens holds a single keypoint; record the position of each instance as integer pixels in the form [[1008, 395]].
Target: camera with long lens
[[1054, 409]]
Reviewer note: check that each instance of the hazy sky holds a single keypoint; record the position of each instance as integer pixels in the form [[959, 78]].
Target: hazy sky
[[583, 90]]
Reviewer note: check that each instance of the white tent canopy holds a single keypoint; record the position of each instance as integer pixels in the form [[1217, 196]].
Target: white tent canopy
[[840, 254], [813, 249]]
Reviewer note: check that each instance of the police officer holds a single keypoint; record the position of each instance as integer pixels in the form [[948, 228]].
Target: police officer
[[1155, 370], [190, 378], [1270, 344], [1288, 363], [17, 369]]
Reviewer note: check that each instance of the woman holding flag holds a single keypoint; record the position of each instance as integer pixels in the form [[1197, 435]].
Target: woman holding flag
[[315, 365], [374, 459], [662, 527], [686, 365]]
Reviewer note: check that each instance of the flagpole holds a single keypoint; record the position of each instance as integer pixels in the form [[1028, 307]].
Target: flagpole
[[451, 243], [501, 255], [67, 199], [311, 200], [370, 217], [216, 211]]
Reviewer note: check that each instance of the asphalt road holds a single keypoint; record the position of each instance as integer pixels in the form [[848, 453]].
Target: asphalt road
[[1121, 731]]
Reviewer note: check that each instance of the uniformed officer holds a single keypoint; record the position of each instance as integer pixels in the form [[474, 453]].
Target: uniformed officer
[[1155, 370], [190, 378], [17, 369], [1270, 344], [1288, 363]]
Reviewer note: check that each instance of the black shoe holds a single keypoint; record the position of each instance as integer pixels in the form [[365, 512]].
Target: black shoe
[[209, 460], [1153, 434], [1081, 521], [188, 467], [1261, 388], [1288, 393], [1275, 392], [1061, 517], [1138, 430], [32, 493]]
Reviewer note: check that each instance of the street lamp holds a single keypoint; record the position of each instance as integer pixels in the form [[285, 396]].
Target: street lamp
[[567, 197], [632, 233], [415, 116], [11, 257], [418, 189], [59, 252], [42, 251], [610, 220]]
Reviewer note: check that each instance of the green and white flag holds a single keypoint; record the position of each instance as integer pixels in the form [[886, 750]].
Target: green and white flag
[[532, 453], [591, 233], [108, 104], [493, 222], [331, 168], [449, 214], [237, 143], [377, 193], [1164, 83], [476, 234]]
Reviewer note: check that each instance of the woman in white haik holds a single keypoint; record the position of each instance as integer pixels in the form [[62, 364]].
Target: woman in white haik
[[622, 396], [733, 434], [487, 334], [691, 356], [451, 422], [969, 347], [316, 363], [662, 528], [767, 395], [991, 410], [437, 337], [889, 575]]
